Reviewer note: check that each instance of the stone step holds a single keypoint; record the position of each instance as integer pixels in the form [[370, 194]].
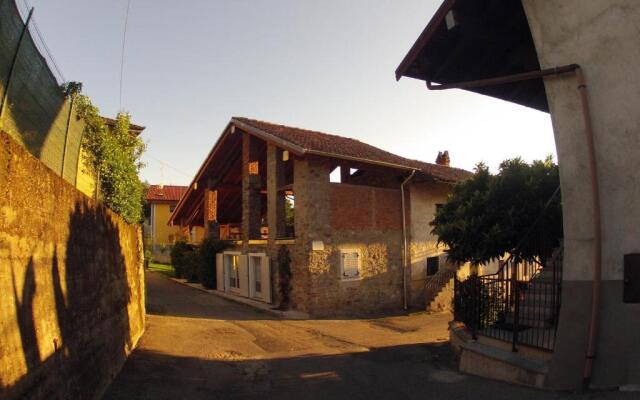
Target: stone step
[[495, 363]]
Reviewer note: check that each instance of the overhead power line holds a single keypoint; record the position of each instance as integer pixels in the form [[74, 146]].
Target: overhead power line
[[124, 41]]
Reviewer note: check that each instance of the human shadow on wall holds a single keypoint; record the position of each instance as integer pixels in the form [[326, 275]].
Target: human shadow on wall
[[93, 316], [91, 293], [26, 318]]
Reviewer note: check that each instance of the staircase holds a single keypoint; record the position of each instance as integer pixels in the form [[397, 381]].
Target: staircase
[[510, 321], [439, 290]]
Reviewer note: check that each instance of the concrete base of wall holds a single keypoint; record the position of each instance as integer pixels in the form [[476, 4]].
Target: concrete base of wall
[[491, 360], [618, 348]]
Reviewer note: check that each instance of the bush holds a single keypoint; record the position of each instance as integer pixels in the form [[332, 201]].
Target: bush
[[180, 257], [191, 267], [207, 263]]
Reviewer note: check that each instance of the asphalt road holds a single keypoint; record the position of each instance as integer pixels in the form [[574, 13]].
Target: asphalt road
[[198, 346]]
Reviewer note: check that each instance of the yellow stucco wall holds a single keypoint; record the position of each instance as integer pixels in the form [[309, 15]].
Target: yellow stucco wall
[[85, 181], [161, 233]]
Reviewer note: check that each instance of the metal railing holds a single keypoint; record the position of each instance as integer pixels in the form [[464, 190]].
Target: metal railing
[[519, 304]]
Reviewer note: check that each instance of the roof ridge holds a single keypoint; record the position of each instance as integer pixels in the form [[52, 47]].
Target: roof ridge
[[307, 130], [362, 150]]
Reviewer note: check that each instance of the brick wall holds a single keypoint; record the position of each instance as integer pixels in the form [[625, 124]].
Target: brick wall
[[364, 207], [71, 278]]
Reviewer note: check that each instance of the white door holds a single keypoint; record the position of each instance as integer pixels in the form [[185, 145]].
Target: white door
[[265, 279], [259, 277]]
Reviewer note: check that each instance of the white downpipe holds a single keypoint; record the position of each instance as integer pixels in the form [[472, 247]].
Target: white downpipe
[[404, 241]]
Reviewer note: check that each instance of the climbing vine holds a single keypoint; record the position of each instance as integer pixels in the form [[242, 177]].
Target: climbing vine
[[113, 158]]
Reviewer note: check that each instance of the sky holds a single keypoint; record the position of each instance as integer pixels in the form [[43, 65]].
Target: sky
[[328, 65]]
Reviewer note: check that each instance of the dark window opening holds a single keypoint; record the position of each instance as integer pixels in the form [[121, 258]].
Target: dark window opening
[[433, 263]]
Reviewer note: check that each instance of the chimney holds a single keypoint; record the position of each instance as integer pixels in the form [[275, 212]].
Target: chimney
[[443, 158]]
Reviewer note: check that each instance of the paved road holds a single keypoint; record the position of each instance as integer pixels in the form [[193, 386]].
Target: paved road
[[198, 346]]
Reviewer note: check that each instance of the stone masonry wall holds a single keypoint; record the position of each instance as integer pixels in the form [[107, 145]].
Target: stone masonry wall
[[332, 214], [71, 279]]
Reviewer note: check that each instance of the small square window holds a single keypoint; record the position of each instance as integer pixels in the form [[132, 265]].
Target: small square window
[[350, 264], [433, 264], [172, 207]]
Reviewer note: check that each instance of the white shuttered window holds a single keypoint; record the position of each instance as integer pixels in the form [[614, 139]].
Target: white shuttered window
[[350, 264]]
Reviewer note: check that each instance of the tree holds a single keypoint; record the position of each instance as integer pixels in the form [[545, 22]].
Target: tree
[[113, 157], [516, 211]]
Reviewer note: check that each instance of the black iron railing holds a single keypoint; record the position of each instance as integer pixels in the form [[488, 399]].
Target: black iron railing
[[520, 303]]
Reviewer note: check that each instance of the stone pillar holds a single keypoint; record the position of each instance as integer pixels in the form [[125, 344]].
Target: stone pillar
[[251, 205], [275, 198], [211, 226]]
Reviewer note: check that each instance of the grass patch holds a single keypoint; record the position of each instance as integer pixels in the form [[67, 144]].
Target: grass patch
[[164, 269]]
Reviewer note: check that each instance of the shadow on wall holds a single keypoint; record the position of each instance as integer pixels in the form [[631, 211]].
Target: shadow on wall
[[89, 292]]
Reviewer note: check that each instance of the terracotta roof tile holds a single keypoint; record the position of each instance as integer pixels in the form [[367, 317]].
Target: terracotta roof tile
[[314, 141], [165, 193]]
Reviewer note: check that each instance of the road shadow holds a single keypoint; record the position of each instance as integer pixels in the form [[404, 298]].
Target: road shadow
[[420, 371]]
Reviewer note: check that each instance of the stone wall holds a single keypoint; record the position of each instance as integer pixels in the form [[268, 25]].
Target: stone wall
[[71, 278], [334, 215]]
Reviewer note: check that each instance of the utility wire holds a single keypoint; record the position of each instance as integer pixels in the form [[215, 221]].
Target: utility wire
[[169, 165], [124, 41]]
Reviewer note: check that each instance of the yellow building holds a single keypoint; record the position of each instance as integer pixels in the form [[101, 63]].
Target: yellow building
[[162, 199]]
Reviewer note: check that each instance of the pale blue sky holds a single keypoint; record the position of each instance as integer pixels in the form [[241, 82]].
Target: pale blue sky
[[325, 65]]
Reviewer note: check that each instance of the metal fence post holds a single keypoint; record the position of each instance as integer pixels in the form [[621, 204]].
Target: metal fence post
[[66, 136], [5, 97]]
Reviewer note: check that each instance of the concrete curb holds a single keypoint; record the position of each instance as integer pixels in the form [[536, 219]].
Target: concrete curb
[[289, 314]]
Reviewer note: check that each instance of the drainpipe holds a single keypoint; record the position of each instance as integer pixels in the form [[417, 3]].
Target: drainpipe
[[595, 188], [405, 257]]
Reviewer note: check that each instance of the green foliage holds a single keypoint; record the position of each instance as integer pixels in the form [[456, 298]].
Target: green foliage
[[180, 258], [163, 269], [284, 276], [514, 212], [208, 250], [114, 159], [192, 266], [289, 216], [469, 293]]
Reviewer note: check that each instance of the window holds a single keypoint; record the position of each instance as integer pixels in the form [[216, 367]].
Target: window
[[433, 263], [438, 207], [172, 207], [350, 264]]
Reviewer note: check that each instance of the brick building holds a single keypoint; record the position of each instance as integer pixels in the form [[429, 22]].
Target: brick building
[[334, 202]]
